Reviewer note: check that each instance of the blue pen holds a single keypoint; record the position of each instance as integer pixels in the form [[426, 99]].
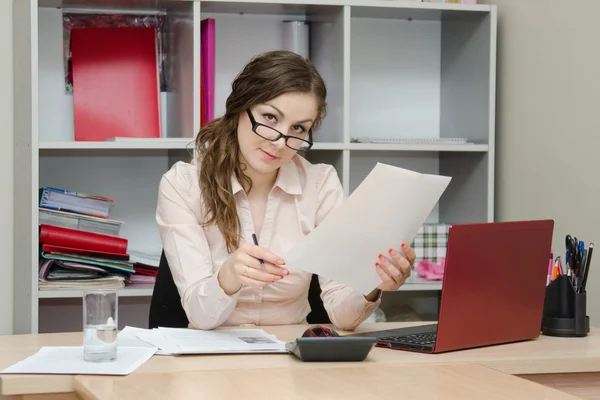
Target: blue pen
[[256, 243], [580, 258]]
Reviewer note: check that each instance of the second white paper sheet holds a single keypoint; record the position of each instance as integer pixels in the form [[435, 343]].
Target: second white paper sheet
[[386, 209]]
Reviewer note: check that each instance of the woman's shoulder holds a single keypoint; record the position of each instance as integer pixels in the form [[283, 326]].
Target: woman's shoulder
[[316, 174], [183, 177]]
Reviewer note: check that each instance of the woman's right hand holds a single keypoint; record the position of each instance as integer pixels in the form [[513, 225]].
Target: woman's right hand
[[243, 267]]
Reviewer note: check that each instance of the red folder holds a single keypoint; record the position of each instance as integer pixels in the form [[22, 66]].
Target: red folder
[[82, 240], [115, 83], [49, 248]]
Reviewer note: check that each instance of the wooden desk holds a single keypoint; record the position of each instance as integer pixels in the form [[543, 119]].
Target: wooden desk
[[418, 382], [547, 360]]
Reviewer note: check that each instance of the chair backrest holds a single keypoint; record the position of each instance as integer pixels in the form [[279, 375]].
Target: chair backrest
[[318, 314], [165, 306], [166, 309]]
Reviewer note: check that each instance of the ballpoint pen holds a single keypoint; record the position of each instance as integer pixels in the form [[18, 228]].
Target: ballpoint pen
[[586, 270], [581, 269], [256, 243]]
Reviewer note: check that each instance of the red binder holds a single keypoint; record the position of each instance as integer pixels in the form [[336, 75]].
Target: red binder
[[49, 248], [75, 239], [115, 83]]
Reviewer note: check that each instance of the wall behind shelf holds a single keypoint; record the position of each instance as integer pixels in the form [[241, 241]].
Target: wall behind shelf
[[6, 166], [548, 95]]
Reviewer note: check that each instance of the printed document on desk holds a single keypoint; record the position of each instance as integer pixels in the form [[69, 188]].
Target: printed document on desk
[[69, 360], [386, 209], [192, 341]]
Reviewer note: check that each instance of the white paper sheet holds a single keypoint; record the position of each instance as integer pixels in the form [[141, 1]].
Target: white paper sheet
[[156, 339], [386, 209], [127, 337], [69, 360], [193, 341]]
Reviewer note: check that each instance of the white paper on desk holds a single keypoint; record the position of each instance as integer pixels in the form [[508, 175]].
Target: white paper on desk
[[127, 337], [135, 337], [386, 209], [193, 341], [156, 339], [69, 360]]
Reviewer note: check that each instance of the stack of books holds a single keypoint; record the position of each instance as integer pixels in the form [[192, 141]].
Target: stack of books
[[78, 211], [80, 246]]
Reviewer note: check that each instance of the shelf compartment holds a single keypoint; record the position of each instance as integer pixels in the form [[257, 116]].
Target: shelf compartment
[[65, 314], [179, 104], [262, 27], [130, 179], [422, 73], [466, 200]]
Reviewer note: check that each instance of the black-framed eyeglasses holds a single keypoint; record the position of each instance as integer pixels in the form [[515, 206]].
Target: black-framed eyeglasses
[[268, 133]]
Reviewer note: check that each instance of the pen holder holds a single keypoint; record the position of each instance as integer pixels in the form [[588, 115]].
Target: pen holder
[[564, 310]]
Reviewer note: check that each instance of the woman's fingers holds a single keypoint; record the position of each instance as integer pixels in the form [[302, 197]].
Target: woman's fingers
[[251, 271], [385, 278], [401, 262], [253, 282], [246, 259], [391, 269], [409, 253], [256, 274], [262, 254]]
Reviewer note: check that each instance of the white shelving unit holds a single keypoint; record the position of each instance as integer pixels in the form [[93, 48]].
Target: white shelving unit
[[393, 68]]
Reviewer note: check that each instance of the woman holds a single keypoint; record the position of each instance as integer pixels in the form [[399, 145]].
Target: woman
[[248, 179]]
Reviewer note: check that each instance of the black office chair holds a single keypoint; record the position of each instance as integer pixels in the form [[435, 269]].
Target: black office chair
[[165, 306], [166, 309]]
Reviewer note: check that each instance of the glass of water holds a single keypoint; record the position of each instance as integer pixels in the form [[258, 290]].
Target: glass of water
[[100, 325]]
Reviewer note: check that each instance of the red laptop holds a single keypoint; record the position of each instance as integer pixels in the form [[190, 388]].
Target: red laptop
[[493, 289]]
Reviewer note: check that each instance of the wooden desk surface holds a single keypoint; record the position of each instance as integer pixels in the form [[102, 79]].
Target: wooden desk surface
[[545, 355], [418, 382]]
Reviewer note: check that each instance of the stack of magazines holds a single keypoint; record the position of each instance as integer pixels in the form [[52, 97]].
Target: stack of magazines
[[77, 210], [72, 258]]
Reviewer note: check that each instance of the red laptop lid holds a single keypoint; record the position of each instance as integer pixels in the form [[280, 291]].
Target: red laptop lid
[[494, 283]]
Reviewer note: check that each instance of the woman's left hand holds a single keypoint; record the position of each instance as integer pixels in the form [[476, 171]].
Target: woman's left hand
[[395, 268]]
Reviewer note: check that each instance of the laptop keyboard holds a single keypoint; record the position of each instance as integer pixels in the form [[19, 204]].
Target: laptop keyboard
[[416, 338]]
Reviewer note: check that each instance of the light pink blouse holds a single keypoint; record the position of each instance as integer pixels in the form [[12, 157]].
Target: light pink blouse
[[303, 194]]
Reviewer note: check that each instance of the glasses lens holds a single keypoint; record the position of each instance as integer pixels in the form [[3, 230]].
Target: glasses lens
[[266, 132], [297, 144]]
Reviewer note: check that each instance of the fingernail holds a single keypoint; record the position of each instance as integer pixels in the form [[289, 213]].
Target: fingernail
[[391, 251], [403, 245], [280, 262], [381, 256], [287, 272], [377, 265]]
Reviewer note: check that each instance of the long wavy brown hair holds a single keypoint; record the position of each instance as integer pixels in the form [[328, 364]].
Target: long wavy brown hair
[[265, 77]]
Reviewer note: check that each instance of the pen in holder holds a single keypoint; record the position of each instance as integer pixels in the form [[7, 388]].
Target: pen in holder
[[564, 310]]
